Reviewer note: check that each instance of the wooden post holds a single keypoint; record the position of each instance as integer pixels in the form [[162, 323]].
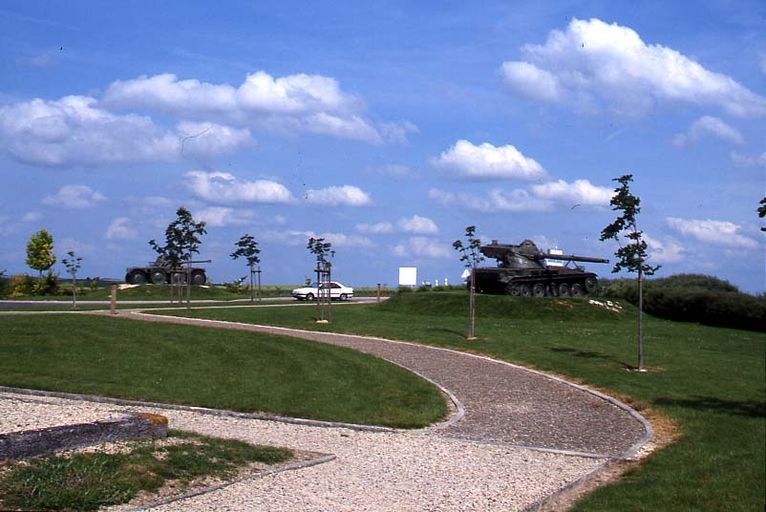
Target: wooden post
[[378, 293], [113, 299]]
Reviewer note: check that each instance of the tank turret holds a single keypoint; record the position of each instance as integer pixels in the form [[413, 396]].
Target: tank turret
[[524, 269]]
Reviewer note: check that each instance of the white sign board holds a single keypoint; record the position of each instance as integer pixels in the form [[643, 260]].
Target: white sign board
[[408, 276]]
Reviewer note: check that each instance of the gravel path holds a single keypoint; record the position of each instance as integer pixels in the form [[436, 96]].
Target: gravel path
[[476, 463], [386, 471], [503, 403]]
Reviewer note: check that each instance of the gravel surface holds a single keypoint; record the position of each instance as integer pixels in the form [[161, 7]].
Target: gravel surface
[[477, 463], [503, 403], [414, 470], [29, 413]]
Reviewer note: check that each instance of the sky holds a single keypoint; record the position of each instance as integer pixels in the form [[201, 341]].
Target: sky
[[385, 129]]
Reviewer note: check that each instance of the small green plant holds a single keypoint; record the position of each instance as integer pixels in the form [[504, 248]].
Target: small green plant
[[47, 285], [237, 286], [247, 248], [88, 481]]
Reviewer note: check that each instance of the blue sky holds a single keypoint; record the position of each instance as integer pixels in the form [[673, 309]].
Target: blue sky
[[385, 129]]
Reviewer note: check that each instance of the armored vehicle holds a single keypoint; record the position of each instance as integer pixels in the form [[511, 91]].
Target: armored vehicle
[[525, 270], [163, 272]]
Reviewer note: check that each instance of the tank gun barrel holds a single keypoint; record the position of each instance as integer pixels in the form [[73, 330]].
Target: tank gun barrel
[[573, 257]]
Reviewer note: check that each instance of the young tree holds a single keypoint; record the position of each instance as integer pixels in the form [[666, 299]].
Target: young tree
[[40, 255], [762, 211], [631, 256], [322, 250], [182, 238], [72, 264], [471, 257], [247, 248]]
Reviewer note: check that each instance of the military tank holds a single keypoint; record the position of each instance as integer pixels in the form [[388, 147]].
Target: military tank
[[525, 270], [162, 271]]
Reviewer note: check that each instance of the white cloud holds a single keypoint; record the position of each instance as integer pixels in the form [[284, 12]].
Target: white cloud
[[713, 232], [741, 160], [300, 102], [579, 192], [379, 228], [418, 225], [74, 196], [346, 195], [487, 161], [31, 217], [397, 132], [121, 228], [421, 247], [541, 197], [595, 65], [219, 216], [209, 139], [668, 250], [75, 130], [225, 188], [708, 126]]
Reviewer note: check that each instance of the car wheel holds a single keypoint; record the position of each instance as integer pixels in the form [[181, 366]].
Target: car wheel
[[343, 296], [310, 296]]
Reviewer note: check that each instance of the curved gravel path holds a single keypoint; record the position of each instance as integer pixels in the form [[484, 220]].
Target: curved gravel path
[[503, 403], [479, 460]]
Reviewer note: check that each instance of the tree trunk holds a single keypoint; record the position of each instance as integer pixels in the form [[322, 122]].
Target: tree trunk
[[252, 286], [640, 318], [74, 290], [472, 306]]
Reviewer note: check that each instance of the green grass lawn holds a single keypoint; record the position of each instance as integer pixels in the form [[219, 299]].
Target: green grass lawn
[[214, 368], [711, 381]]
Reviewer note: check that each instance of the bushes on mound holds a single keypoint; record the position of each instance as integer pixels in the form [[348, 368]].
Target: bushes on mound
[[694, 298]]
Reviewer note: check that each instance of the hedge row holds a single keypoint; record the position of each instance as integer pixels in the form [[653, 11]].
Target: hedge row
[[694, 298]]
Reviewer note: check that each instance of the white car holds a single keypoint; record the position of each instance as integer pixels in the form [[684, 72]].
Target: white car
[[337, 291]]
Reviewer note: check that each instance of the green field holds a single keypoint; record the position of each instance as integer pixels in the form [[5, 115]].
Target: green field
[[710, 381], [232, 370]]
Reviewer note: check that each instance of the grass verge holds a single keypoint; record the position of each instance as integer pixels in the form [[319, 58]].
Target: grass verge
[[710, 381], [223, 369], [89, 480]]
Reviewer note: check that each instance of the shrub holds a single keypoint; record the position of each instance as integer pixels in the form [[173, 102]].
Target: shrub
[[694, 298], [19, 286], [4, 284], [47, 285]]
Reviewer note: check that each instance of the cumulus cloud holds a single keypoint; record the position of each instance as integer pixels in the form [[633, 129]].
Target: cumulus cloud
[[300, 102], [379, 228], [75, 130], [596, 65], [296, 237], [418, 225], [421, 247], [543, 197], [741, 160], [225, 188], [708, 126], [415, 225], [346, 195], [121, 228], [579, 192], [714, 232], [74, 196], [486, 161], [219, 216], [668, 250]]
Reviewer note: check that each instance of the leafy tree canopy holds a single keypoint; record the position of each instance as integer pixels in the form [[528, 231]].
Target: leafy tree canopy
[[40, 255], [182, 238], [247, 248]]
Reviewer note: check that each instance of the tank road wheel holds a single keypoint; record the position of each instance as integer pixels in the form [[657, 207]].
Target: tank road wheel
[[591, 284], [563, 290], [513, 289], [577, 290], [526, 290], [158, 277], [198, 278], [136, 277], [538, 289]]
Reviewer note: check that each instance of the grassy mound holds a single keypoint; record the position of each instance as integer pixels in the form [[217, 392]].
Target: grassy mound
[[694, 298], [451, 304]]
